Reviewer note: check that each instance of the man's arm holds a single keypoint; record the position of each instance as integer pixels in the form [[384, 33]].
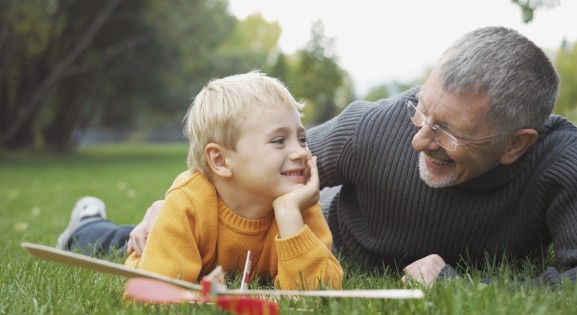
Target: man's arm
[[330, 142], [428, 270], [140, 232]]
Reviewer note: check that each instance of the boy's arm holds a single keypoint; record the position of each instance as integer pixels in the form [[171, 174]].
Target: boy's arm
[[304, 242], [306, 260], [288, 208]]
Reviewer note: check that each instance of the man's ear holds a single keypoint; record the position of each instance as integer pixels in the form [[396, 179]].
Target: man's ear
[[216, 158], [517, 146]]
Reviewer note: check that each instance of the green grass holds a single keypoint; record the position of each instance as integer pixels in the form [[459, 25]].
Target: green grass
[[38, 192]]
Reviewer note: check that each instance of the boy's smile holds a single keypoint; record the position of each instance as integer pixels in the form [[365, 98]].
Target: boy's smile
[[296, 174], [270, 155]]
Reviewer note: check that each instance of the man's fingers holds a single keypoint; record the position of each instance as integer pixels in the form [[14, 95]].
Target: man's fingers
[[425, 270], [129, 248], [138, 244], [136, 240]]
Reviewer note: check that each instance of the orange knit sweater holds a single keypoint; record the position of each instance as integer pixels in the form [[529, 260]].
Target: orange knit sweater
[[195, 231]]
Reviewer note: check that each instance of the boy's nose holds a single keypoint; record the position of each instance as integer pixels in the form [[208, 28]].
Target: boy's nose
[[300, 152]]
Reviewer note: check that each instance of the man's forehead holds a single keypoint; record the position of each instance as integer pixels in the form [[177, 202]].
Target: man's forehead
[[427, 95]]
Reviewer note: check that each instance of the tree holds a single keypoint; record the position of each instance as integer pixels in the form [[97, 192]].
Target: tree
[[32, 64], [66, 63], [251, 45], [566, 64], [377, 93], [319, 79], [528, 7]]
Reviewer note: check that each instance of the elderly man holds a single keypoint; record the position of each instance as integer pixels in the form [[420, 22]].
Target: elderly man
[[469, 166]]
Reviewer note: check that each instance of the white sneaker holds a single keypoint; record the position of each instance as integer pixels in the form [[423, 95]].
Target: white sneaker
[[85, 207]]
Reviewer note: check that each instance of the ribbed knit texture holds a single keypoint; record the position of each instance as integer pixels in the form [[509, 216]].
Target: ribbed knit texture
[[195, 231], [386, 215]]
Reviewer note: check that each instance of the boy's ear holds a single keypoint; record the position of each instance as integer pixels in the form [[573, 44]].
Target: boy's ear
[[522, 140], [215, 156]]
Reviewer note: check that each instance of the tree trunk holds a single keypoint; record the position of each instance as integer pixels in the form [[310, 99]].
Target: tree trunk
[[17, 133]]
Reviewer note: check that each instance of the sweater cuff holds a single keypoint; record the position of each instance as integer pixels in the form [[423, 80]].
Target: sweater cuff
[[302, 242], [447, 273], [552, 278]]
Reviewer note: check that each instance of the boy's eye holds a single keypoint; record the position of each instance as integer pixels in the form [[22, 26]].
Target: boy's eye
[[303, 140], [278, 141]]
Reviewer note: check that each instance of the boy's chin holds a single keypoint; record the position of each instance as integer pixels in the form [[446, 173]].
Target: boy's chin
[[290, 188]]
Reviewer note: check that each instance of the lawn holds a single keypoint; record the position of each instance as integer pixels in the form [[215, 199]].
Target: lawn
[[38, 192]]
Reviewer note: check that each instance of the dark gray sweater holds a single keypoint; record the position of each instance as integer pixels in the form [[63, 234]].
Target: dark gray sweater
[[386, 215]]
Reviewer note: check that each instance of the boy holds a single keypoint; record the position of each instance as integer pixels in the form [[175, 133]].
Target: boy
[[251, 185]]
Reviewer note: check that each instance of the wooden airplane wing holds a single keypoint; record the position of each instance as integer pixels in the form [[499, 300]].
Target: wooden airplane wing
[[91, 263]]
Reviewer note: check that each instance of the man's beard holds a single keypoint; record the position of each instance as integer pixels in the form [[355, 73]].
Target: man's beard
[[430, 179]]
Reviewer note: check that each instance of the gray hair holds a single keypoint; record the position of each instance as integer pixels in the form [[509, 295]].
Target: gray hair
[[519, 78]]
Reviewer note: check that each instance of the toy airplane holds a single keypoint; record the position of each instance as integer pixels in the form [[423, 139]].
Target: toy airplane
[[155, 288]]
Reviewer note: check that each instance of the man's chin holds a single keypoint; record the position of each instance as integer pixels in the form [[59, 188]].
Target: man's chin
[[435, 183], [432, 180]]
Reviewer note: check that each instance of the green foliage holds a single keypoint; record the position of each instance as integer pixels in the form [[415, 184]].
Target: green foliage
[[250, 46], [315, 76], [393, 88], [254, 34], [38, 192], [136, 64], [66, 64], [566, 64], [377, 93], [528, 7]]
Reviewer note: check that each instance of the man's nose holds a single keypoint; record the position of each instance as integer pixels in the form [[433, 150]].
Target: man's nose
[[424, 139]]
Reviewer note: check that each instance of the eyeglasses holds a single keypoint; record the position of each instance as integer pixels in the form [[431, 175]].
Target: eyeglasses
[[443, 138]]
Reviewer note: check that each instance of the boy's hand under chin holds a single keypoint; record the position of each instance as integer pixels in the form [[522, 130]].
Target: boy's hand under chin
[[288, 207]]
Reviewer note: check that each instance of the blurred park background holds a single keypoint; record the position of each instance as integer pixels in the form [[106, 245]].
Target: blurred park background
[[83, 72]]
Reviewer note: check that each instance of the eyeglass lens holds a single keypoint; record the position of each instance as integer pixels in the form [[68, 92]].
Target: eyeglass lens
[[444, 139]]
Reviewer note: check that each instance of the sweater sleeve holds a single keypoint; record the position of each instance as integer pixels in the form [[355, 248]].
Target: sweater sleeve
[[551, 277], [305, 259], [171, 248], [558, 192], [331, 140]]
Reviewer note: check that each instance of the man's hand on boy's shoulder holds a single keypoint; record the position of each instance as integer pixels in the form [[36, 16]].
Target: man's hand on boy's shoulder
[[139, 234]]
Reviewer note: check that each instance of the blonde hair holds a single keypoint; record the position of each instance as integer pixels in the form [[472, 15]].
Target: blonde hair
[[219, 109]]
